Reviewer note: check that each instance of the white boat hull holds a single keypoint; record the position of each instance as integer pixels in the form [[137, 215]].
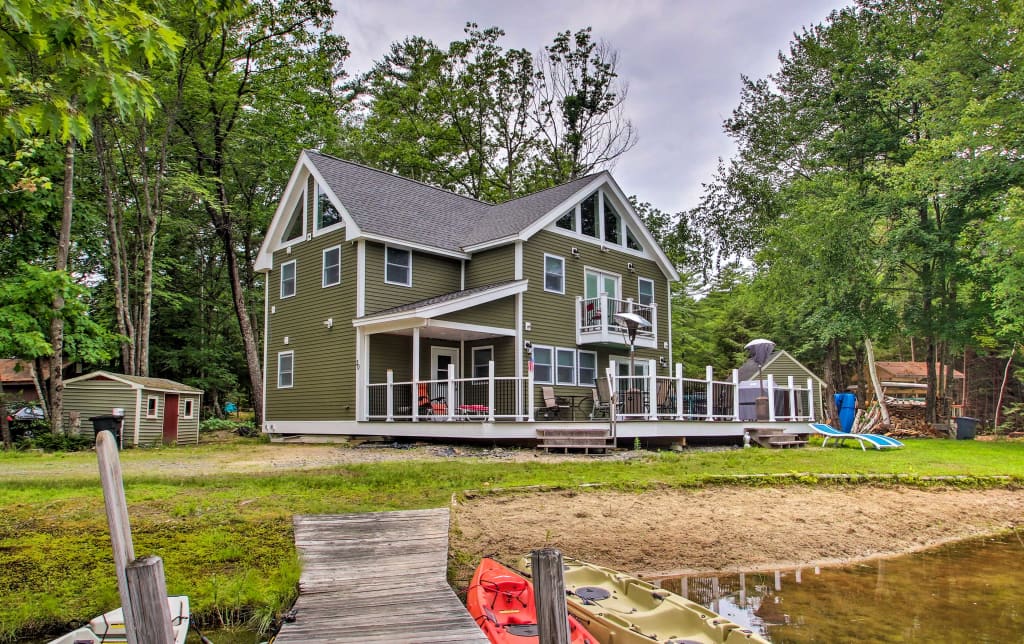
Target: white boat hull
[[108, 628]]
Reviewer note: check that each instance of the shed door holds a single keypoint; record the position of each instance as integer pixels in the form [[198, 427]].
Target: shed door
[[170, 419]]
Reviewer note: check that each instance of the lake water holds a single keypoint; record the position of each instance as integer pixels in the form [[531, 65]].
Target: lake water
[[971, 591]]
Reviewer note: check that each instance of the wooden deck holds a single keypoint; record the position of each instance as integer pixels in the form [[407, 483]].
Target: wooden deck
[[377, 577]]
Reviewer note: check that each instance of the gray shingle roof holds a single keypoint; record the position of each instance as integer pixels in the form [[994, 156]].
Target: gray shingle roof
[[386, 204], [440, 299]]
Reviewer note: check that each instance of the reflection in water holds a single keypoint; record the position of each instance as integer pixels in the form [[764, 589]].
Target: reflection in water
[[967, 592]]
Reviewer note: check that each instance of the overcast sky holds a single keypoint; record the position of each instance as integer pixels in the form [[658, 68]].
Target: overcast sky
[[682, 60]]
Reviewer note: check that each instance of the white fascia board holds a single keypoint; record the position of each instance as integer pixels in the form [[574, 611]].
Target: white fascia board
[[494, 243], [659, 255], [105, 374], [402, 243], [444, 308], [351, 228], [475, 328], [559, 210]]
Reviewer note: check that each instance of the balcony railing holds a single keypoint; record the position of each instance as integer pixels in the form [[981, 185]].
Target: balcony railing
[[596, 323]]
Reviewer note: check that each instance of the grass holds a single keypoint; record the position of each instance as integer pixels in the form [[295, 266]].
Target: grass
[[227, 541]]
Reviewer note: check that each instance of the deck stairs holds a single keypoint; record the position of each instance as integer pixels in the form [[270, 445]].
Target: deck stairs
[[582, 438], [774, 438]]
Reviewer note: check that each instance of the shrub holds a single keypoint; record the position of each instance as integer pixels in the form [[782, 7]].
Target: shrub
[[241, 428], [51, 442]]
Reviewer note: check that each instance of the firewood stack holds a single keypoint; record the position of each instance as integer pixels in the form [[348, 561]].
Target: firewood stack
[[909, 421]]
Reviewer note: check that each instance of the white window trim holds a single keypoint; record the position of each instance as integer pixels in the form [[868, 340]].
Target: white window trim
[[572, 381], [317, 230], [156, 406], [560, 259], [302, 237], [281, 354], [550, 365], [323, 267], [188, 408], [600, 273], [386, 263], [472, 360], [639, 293], [295, 280], [579, 381]]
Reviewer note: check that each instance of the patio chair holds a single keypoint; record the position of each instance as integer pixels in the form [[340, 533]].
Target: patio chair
[[553, 405], [603, 399], [875, 440]]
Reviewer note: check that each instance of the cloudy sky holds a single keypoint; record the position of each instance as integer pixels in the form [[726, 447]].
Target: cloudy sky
[[682, 60]]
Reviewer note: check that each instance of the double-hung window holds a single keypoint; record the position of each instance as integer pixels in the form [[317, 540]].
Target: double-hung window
[[397, 266], [554, 274], [645, 288], [481, 357], [565, 373], [285, 369], [542, 365], [332, 266], [288, 279], [586, 368]]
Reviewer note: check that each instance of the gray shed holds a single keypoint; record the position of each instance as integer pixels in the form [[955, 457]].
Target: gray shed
[[155, 410], [780, 365]]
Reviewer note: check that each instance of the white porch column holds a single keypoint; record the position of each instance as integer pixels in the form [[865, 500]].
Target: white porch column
[[709, 403], [810, 402], [529, 390], [792, 398], [736, 394], [490, 391], [652, 389], [450, 394], [679, 391], [391, 395], [416, 374], [362, 372], [606, 315], [771, 398]]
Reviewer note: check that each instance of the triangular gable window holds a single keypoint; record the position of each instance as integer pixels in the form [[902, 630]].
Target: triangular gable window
[[588, 216], [631, 241], [612, 221], [295, 224], [567, 221], [326, 213]]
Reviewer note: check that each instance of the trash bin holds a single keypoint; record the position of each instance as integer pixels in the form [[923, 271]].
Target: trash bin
[[966, 427], [108, 423]]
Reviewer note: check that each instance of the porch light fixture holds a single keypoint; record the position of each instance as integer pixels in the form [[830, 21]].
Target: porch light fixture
[[575, 252], [631, 267], [662, 362]]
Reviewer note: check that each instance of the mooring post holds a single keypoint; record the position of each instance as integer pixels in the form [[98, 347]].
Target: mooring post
[[148, 591], [117, 519], [549, 588]]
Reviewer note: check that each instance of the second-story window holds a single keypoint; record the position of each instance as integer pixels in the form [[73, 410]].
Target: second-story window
[[326, 213], [646, 291], [554, 274], [288, 279], [588, 216], [612, 222], [332, 266], [397, 266]]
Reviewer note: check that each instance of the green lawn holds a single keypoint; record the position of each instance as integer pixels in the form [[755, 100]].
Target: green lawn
[[226, 541]]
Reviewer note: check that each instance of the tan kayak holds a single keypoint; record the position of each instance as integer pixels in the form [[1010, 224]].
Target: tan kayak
[[619, 609]]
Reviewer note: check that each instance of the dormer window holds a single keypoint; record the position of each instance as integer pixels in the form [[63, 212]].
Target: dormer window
[[326, 213]]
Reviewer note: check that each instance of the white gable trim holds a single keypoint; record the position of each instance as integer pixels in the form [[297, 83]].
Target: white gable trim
[[782, 352], [272, 241], [443, 308], [423, 248], [105, 374], [605, 180]]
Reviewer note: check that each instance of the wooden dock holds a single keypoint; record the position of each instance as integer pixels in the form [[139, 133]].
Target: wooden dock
[[376, 577]]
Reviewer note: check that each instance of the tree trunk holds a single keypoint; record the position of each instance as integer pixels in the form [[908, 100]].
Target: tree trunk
[[37, 375], [869, 349], [150, 203], [5, 427], [834, 382], [1002, 387], [57, 323]]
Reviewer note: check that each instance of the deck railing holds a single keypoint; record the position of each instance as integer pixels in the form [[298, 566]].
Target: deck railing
[[595, 317], [649, 397]]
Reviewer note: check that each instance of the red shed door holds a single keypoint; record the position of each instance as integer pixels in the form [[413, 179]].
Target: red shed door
[[170, 419]]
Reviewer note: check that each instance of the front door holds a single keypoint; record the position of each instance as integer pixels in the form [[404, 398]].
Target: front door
[[170, 419], [441, 359]]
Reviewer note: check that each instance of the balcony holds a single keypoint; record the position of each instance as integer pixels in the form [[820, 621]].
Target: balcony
[[595, 322]]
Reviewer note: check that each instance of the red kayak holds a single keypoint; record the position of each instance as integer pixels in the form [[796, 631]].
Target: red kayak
[[501, 602]]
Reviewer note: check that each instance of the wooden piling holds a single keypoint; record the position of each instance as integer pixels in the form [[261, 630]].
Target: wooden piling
[[549, 591], [117, 519], [148, 592]]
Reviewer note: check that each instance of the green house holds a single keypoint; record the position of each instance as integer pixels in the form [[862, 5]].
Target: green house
[[155, 410]]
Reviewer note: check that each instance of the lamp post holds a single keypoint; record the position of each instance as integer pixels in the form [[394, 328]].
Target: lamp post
[[760, 350], [632, 322]]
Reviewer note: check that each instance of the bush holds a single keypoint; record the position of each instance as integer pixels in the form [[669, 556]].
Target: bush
[[51, 442], [241, 428]]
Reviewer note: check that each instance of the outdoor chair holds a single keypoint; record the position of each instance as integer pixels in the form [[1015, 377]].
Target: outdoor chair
[[875, 440], [601, 407], [553, 405], [603, 399]]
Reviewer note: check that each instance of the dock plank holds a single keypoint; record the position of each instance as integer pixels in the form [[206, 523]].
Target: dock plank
[[376, 577]]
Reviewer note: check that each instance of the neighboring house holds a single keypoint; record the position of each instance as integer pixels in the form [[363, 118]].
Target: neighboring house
[[388, 300], [908, 381], [781, 369], [17, 378], [155, 410]]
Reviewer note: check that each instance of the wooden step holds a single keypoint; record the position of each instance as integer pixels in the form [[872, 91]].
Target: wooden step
[[575, 438]]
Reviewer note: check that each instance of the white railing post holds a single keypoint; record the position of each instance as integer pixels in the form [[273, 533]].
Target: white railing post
[[449, 396], [490, 391], [709, 373], [736, 395], [792, 398], [416, 375], [390, 394], [579, 318], [605, 314], [629, 304], [613, 398], [679, 391], [771, 398], [529, 391], [652, 387], [810, 402]]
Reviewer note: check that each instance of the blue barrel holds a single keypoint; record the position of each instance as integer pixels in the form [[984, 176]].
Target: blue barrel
[[846, 404]]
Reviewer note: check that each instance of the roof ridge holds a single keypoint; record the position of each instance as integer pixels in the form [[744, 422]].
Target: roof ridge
[[560, 185], [394, 175]]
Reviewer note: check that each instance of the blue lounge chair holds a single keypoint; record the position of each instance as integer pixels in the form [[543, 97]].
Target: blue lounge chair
[[876, 440]]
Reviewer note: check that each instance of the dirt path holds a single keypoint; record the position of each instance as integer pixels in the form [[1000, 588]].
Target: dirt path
[[661, 533]]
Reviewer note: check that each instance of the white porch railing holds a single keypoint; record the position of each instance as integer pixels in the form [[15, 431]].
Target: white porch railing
[[595, 320]]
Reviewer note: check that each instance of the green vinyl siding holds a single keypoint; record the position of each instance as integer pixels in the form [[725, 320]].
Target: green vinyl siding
[[432, 275], [188, 428], [504, 356], [98, 398], [491, 266], [499, 313], [783, 367], [390, 352], [151, 430], [324, 372]]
